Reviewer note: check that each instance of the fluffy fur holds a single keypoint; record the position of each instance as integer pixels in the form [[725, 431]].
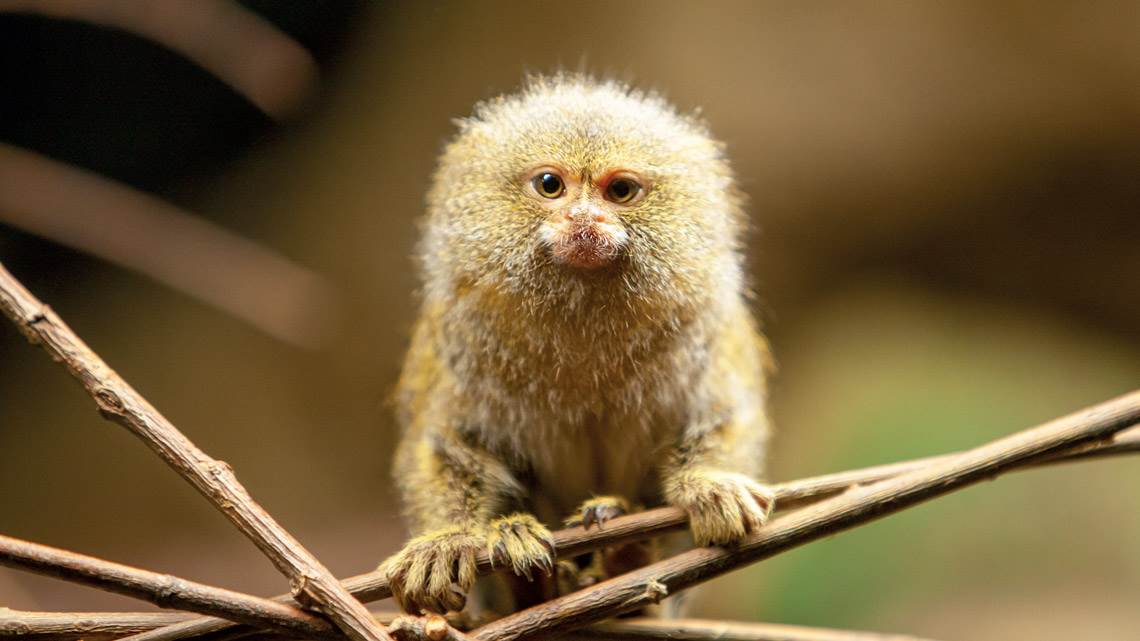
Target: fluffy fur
[[530, 386]]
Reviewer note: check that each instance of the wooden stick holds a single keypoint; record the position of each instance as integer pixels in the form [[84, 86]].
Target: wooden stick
[[699, 630], [89, 626], [373, 586], [117, 401], [162, 590]]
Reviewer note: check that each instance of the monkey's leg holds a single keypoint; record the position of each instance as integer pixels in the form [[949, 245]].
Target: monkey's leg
[[454, 490], [610, 561], [597, 511], [706, 479], [588, 569]]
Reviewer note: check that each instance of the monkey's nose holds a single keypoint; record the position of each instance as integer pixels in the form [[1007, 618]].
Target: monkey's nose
[[585, 214]]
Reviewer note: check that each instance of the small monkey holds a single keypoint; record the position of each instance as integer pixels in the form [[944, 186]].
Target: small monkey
[[583, 347]]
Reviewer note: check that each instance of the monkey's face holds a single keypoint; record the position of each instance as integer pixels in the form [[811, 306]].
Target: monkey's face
[[574, 190], [584, 227]]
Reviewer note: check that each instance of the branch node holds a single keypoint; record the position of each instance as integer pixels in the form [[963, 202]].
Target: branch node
[[167, 591], [654, 592], [109, 402], [219, 469], [436, 627]]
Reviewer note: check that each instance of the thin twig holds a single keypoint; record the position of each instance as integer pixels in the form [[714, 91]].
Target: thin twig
[[173, 246], [162, 590], [373, 586], [89, 626], [856, 506], [700, 630], [119, 402], [241, 48]]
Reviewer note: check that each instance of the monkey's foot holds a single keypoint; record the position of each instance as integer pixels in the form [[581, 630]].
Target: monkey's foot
[[434, 571], [723, 507], [521, 542], [598, 510]]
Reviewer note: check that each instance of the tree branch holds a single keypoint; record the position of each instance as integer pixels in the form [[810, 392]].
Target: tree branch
[[119, 402], [569, 542], [71, 626], [373, 586], [700, 630], [162, 590], [856, 506]]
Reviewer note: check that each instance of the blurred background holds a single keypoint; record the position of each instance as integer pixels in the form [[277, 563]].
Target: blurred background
[[221, 198]]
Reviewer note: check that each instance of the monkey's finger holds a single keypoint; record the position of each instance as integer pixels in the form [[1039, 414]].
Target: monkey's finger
[[547, 541], [451, 599], [497, 552], [752, 513], [763, 496], [456, 600], [465, 569], [603, 513], [588, 517], [397, 588], [439, 573]]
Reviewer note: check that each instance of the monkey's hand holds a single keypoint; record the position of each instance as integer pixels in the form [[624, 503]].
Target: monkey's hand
[[521, 542], [723, 507], [597, 511], [435, 571]]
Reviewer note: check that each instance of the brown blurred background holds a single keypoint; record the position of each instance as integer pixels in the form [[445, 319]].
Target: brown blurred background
[[945, 200]]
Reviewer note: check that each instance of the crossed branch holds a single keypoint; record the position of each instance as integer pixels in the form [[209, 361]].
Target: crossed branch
[[319, 607]]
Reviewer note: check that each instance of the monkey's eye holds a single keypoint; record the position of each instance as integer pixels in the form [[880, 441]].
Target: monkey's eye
[[622, 190], [548, 185]]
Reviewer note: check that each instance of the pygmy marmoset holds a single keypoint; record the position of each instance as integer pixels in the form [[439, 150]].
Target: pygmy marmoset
[[584, 344]]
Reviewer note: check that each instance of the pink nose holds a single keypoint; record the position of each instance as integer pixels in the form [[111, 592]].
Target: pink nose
[[585, 213]]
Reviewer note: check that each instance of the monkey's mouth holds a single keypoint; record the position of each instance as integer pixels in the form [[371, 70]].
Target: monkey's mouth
[[584, 245]]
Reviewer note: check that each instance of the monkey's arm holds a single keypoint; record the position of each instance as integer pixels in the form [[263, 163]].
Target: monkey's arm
[[724, 504], [711, 471], [455, 494]]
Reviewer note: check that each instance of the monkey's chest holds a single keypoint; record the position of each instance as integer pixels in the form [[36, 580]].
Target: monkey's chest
[[600, 460]]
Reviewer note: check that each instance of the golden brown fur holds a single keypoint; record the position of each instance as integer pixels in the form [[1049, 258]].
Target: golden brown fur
[[532, 386]]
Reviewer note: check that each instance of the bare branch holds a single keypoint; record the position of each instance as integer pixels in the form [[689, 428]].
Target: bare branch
[[373, 586], [105, 626], [698, 630], [238, 46], [185, 252], [856, 506], [119, 402], [89, 626], [162, 590]]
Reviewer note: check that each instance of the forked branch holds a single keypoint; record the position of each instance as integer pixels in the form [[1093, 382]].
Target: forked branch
[[119, 402], [162, 590], [569, 542]]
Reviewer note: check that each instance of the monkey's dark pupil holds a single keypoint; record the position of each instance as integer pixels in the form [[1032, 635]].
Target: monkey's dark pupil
[[551, 184], [620, 189]]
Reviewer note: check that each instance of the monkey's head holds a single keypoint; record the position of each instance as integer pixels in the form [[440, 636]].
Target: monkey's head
[[576, 192]]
